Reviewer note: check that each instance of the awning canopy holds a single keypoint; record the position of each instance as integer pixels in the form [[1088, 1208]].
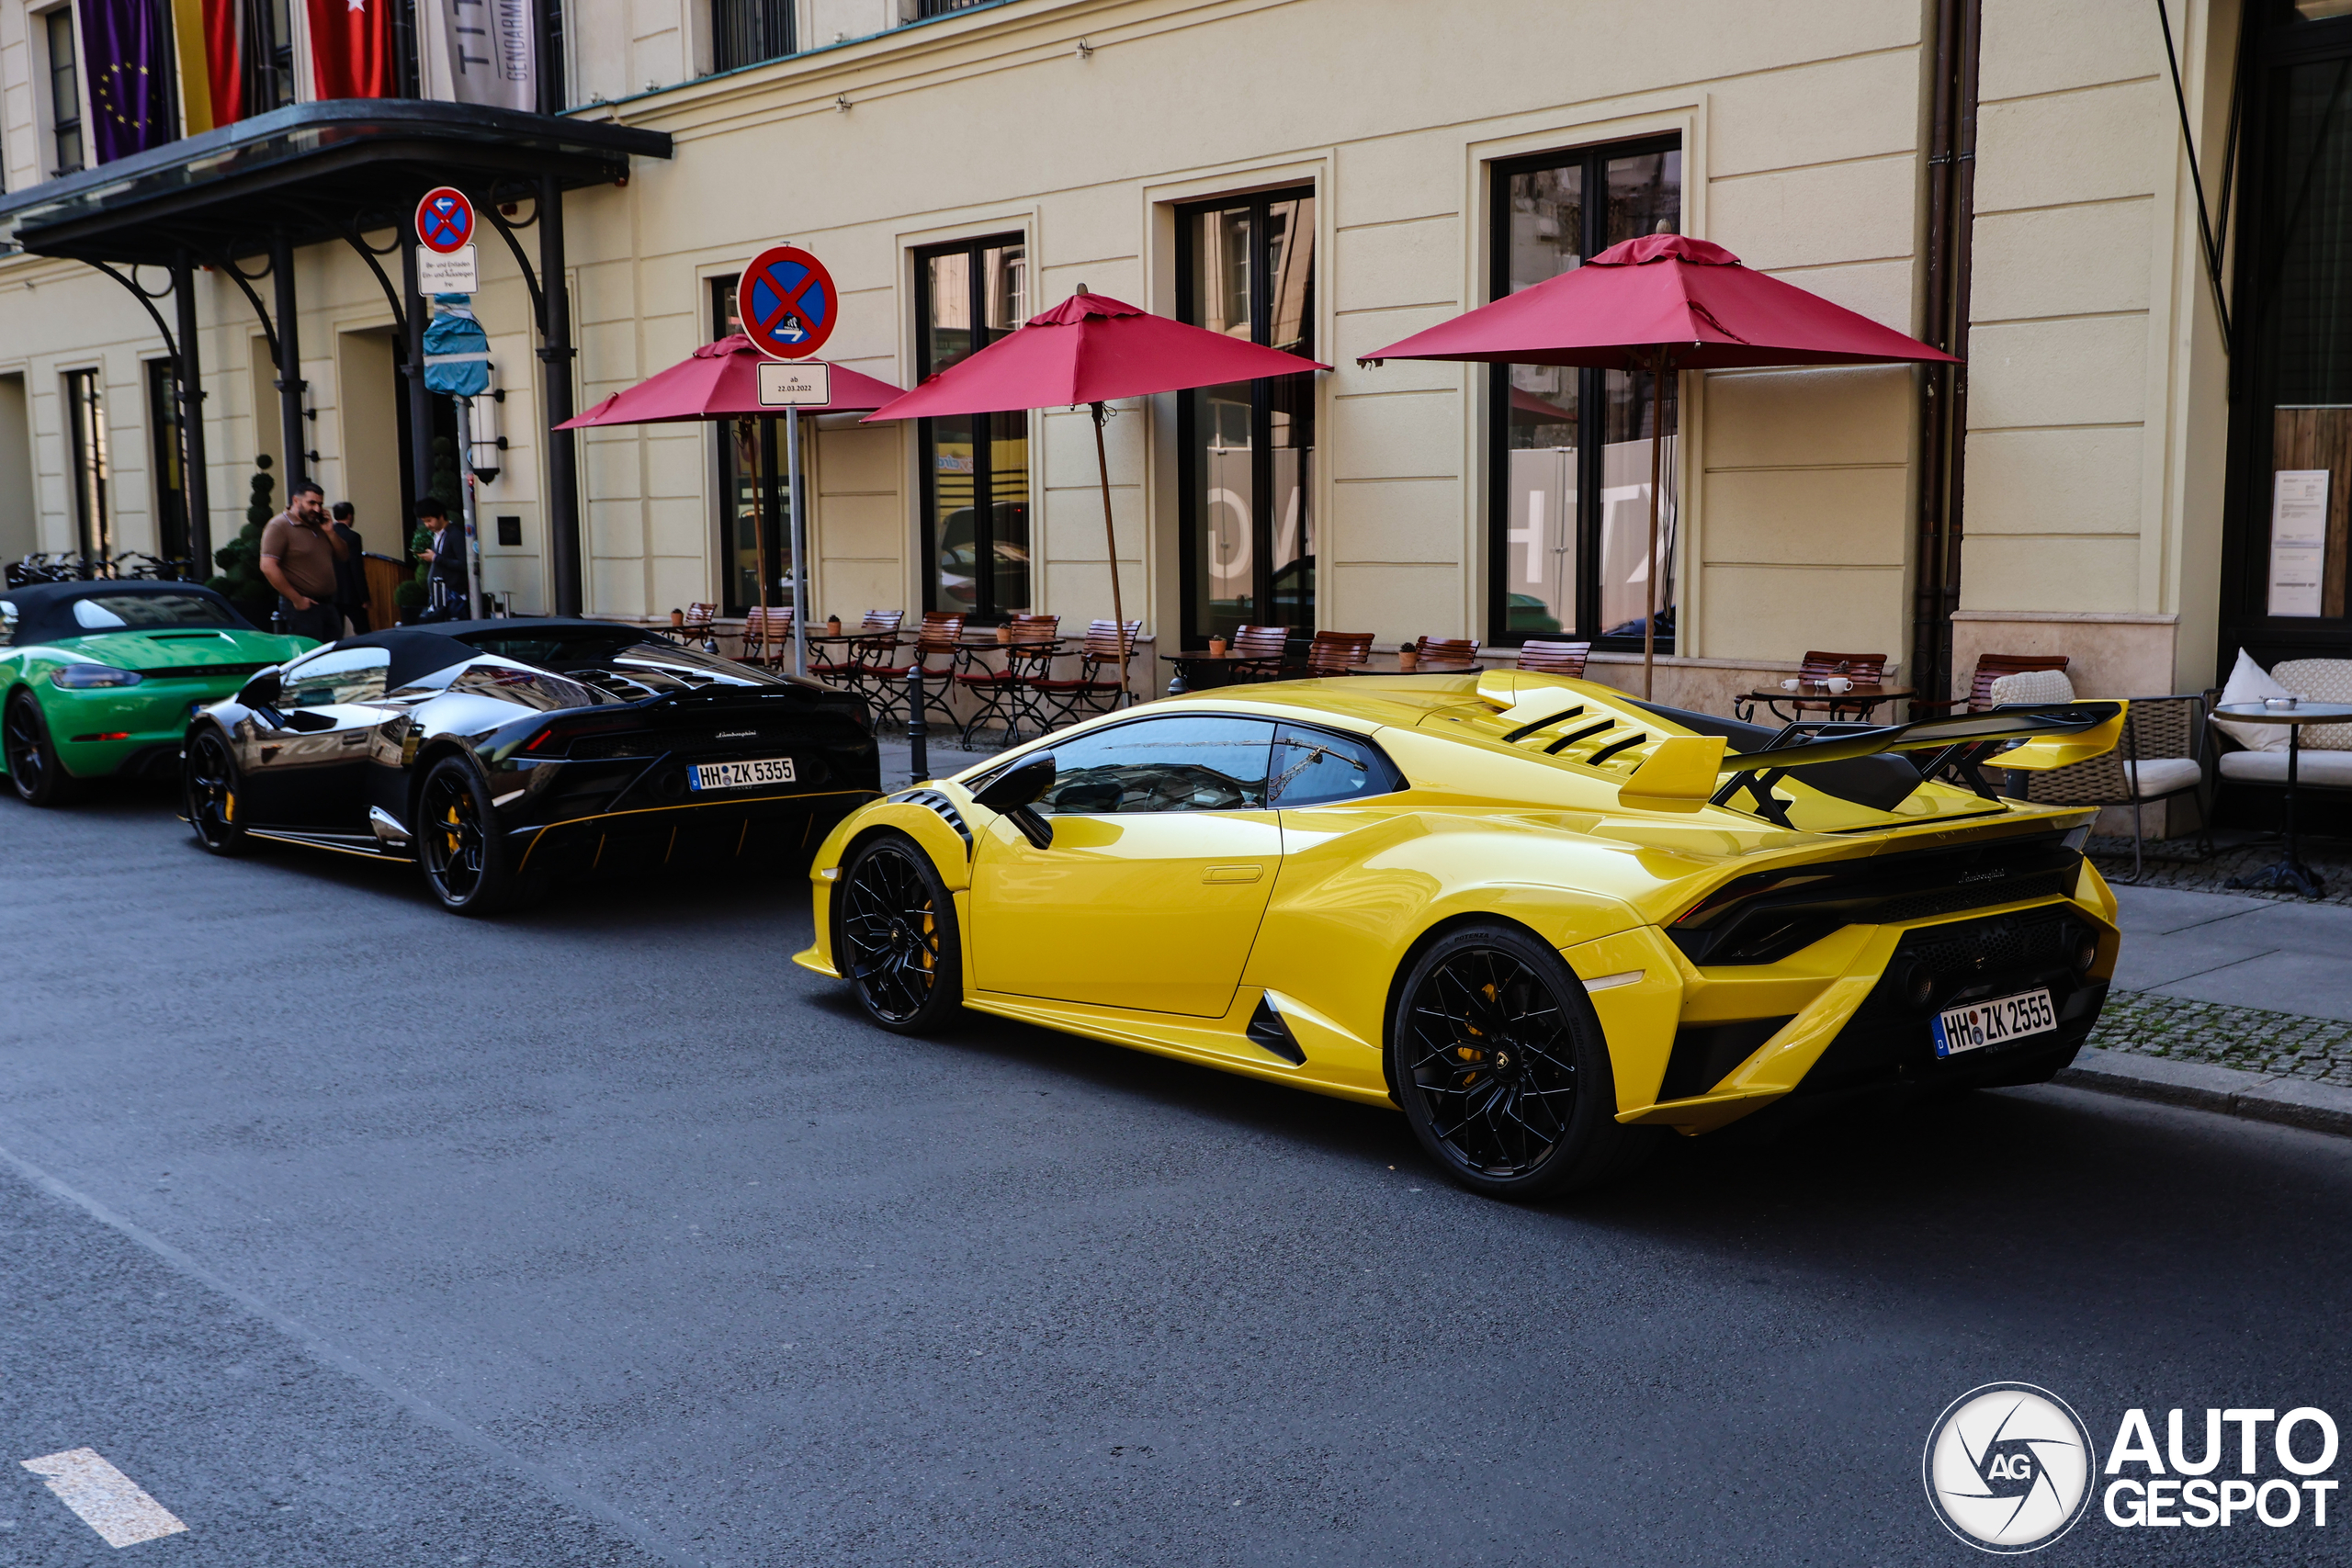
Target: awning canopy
[[308, 172]]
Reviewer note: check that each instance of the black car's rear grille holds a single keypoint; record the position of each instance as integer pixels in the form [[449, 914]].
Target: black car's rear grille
[[1764, 917], [200, 672]]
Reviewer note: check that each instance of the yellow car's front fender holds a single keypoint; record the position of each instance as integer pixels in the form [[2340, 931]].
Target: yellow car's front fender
[[946, 843]]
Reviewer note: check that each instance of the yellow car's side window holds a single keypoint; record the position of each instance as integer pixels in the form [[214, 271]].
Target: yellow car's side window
[[1197, 762]]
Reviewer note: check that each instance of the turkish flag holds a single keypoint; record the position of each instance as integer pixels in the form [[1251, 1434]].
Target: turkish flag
[[351, 49]]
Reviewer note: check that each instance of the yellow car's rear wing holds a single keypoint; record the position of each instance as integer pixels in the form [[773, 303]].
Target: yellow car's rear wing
[[2031, 736]]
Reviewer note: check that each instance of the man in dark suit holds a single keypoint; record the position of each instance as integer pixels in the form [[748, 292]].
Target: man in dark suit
[[350, 568]]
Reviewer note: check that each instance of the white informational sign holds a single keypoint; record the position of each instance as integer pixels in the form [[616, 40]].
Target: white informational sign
[[799, 384], [454, 272], [2298, 539]]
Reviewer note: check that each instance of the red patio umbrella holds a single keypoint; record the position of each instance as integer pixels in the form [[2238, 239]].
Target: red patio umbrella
[[721, 380], [1109, 350], [1662, 303]]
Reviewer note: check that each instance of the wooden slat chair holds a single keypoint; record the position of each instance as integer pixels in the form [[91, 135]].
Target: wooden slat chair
[[935, 649], [1861, 669], [1264, 646], [1990, 667], [696, 628], [1554, 657], [767, 637], [854, 665], [997, 691], [1096, 686], [1446, 650], [1337, 653]]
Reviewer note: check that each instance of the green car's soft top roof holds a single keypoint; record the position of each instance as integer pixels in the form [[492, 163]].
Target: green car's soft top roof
[[45, 610]]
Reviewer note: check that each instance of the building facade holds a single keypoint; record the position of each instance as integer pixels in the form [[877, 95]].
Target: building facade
[[2017, 180]]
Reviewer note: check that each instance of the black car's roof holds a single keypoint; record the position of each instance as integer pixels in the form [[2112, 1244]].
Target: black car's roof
[[45, 610], [420, 650]]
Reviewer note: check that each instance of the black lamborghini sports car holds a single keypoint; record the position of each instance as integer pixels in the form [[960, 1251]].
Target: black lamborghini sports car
[[500, 754]]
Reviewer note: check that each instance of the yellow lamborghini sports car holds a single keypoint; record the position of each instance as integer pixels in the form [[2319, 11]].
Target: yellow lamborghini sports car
[[1537, 916]]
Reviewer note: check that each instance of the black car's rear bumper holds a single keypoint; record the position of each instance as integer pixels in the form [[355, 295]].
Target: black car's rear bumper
[[783, 828]]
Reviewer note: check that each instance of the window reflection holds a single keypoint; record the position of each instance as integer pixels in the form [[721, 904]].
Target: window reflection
[[1246, 526], [1570, 555], [1167, 764], [975, 467]]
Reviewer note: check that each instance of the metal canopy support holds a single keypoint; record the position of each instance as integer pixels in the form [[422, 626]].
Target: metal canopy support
[[195, 479], [555, 354], [420, 400], [289, 367]]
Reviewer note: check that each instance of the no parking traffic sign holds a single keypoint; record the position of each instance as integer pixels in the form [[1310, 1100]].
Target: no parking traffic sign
[[787, 301]]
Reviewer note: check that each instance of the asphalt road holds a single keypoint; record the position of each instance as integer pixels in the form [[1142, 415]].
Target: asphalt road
[[357, 1234]]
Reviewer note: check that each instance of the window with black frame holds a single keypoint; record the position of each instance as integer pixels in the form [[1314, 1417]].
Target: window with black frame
[[745, 32], [1246, 267], [1568, 537], [752, 493], [974, 468], [86, 424], [2290, 561], [64, 90], [171, 489]]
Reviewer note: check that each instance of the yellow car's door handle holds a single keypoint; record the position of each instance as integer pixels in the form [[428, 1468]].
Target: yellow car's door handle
[[1232, 872]]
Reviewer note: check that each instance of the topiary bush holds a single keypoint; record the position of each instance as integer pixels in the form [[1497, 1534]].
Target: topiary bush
[[239, 559]]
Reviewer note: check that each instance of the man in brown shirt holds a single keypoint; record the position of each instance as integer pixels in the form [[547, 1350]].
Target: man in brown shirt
[[299, 556]]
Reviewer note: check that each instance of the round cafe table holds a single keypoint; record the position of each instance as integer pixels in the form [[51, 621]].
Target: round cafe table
[[1855, 702], [2289, 875]]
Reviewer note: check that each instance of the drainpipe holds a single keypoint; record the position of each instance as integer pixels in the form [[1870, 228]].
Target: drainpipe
[[1943, 406]]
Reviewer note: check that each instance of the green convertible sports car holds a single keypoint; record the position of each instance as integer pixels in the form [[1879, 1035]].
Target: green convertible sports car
[[99, 678]]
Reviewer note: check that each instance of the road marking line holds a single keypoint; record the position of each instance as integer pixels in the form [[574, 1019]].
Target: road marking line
[[107, 1501]]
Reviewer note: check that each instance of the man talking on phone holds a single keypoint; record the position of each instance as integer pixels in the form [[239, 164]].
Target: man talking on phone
[[299, 556]]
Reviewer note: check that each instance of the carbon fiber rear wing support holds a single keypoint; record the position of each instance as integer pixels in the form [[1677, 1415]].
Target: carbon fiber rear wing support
[[1962, 742]]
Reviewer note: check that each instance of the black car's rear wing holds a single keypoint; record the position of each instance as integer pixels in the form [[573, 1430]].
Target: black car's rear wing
[[2034, 737]]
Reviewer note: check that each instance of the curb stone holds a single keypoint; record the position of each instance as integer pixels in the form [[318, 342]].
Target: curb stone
[[2257, 1097]]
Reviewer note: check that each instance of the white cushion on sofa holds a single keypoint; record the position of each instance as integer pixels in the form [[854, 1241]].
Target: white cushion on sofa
[[2270, 767], [2032, 687], [2162, 775], [2323, 681], [2249, 683]]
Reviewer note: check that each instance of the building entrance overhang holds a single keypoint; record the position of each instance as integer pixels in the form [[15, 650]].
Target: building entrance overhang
[[323, 173]]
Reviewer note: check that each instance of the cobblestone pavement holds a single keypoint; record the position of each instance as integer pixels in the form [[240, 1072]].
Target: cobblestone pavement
[[2151, 1024], [2174, 862]]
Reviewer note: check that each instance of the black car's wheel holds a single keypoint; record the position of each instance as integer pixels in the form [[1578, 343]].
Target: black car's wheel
[[208, 793], [1501, 1068], [466, 859], [896, 938], [39, 778]]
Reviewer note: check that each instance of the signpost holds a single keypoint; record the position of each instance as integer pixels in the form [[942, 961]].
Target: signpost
[[445, 227], [788, 306]]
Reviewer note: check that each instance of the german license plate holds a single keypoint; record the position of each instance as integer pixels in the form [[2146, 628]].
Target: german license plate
[[1995, 1022], [740, 775]]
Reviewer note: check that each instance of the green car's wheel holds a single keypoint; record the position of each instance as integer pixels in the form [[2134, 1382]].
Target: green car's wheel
[[1502, 1069], [466, 861], [33, 767], [208, 793], [896, 938]]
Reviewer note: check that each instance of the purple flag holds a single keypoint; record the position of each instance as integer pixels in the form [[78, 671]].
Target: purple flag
[[126, 48]]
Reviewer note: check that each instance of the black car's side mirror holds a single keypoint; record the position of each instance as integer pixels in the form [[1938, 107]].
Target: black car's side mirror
[[1018, 789], [262, 691]]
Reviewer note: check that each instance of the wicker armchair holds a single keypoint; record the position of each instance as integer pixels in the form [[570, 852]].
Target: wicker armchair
[[2163, 755]]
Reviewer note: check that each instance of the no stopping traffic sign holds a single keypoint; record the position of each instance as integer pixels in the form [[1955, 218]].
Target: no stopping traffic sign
[[445, 221]]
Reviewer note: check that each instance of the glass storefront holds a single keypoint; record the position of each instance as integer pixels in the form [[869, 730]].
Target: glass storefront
[[974, 468], [1245, 268], [1567, 553]]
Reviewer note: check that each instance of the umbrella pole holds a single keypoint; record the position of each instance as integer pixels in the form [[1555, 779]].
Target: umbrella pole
[[1649, 569], [764, 475], [1111, 538]]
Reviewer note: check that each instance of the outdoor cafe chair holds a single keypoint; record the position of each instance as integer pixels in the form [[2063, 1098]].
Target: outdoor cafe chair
[[998, 690], [1096, 687], [2164, 755], [1990, 667], [1431, 650], [854, 666], [697, 624], [935, 648], [1264, 648], [767, 637], [1554, 657], [1337, 653]]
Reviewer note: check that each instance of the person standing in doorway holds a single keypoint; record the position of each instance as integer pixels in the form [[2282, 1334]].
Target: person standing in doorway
[[298, 557], [350, 568], [445, 581]]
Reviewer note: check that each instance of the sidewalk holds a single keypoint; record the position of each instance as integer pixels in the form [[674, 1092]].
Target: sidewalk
[[2236, 1004]]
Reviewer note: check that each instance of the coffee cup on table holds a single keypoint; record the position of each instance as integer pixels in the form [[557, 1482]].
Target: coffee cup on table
[[1791, 684], [1838, 684]]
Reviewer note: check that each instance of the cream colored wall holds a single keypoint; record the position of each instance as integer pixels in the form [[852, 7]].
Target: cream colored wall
[[2096, 417], [1799, 505]]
